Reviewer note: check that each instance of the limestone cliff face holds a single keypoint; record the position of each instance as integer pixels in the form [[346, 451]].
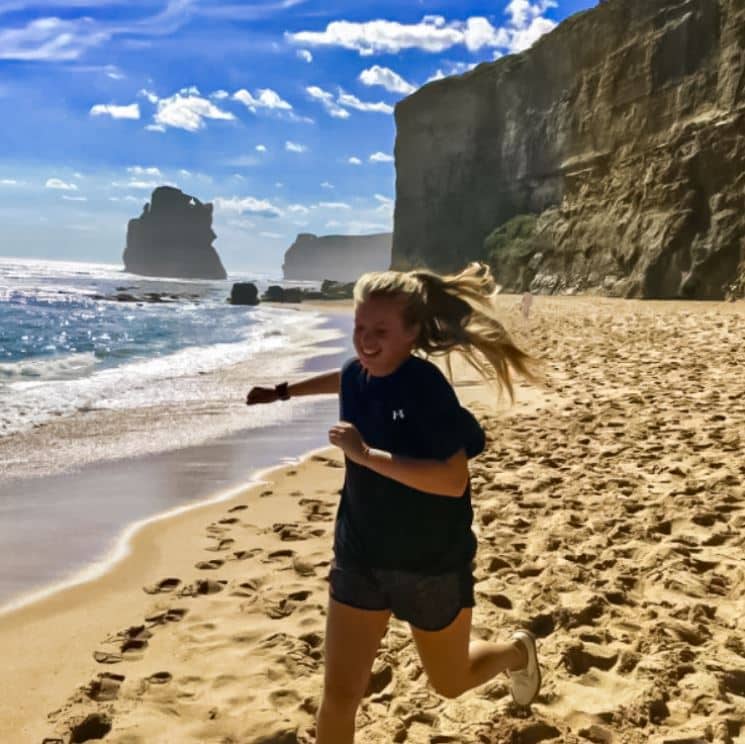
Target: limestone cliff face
[[624, 129], [173, 237], [339, 257]]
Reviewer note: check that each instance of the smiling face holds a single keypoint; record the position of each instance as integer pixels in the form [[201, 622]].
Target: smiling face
[[381, 340]]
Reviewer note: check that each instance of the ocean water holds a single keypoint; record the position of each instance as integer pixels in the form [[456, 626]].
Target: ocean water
[[64, 351], [115, 413]]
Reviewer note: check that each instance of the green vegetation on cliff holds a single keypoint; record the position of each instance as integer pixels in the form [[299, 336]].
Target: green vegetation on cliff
[[514, 251]]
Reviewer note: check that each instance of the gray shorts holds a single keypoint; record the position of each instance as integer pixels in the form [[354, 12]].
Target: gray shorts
[[427, 602]]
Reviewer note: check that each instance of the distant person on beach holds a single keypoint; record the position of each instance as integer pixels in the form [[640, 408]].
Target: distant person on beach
[[403, 542], [525, 304]]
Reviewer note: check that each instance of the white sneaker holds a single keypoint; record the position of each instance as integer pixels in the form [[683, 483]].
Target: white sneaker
[[526, 682]]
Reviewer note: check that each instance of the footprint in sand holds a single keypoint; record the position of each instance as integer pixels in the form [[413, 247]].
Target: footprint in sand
[[202, 586], [172, 615], [242, 555], [239, 507], [163, 586], [159, 678], [209, 565], [105, 687], [132, 642], [224, 544], [95, 726]]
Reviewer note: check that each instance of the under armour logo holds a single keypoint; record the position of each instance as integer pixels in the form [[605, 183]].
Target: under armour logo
[[398, 414]]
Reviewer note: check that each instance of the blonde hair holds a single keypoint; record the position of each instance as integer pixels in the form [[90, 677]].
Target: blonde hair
[[455, 312]]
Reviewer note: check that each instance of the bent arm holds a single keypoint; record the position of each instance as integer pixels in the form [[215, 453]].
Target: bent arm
[[441, 477], [319, 384]]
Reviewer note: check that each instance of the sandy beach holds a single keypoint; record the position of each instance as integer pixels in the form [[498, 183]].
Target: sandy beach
[[610, 511]]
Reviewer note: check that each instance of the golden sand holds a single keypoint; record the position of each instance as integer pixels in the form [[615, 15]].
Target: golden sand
[[610, 511]]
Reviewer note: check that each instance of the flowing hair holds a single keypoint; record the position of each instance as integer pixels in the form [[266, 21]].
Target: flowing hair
[[455, 312]]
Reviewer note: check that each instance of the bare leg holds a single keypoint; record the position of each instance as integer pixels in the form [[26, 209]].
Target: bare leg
[[454, 664], [352, 640]]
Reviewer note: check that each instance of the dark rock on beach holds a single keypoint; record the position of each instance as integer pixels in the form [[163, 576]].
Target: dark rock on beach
[[244, 293], [275, 293], [617, 140], [173, 238]]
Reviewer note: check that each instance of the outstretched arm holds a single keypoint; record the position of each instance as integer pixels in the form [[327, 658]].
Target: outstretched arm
[[328, 382], [325, 383]]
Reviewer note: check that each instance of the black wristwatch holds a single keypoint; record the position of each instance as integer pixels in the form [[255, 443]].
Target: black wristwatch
[[282, 392]]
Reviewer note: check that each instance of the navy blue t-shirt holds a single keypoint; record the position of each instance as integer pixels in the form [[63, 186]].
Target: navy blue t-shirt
[[381, 522]]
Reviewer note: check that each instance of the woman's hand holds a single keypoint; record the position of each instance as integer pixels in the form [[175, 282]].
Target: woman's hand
[[345, 436], [261, 395]]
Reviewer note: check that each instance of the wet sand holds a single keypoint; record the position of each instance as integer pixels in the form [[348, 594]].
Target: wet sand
[[610, 511]]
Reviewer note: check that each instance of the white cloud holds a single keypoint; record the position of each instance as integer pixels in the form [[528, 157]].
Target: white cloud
[[185, 173], [155, 128], [188, 112], [327, 99], [376, 37], [51, 39], [347, 99], [74, 198], [220, 95], [260, 148], [149, 95], [525, 38], [334, 205], [456, 68], [56, 183], [247, 204], [132, 111], [135, 184], [390, 80], [138, 170], [381, 157], [9, 182], [354, 161], [522, 12], [267, 99], [433, 33], [327, 185], [55, 39], [294, 147], [304, 54], [298, 209], [386, 204]]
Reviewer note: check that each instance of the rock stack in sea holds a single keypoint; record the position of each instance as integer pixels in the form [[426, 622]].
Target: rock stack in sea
[[341, 258], [617, 143], [173, 238]]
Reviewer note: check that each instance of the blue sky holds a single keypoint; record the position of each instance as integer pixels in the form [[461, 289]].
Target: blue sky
[[279, 112]]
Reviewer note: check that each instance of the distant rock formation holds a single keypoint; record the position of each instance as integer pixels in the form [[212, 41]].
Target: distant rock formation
[[338, 257], [173, 237], [622, 133]]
